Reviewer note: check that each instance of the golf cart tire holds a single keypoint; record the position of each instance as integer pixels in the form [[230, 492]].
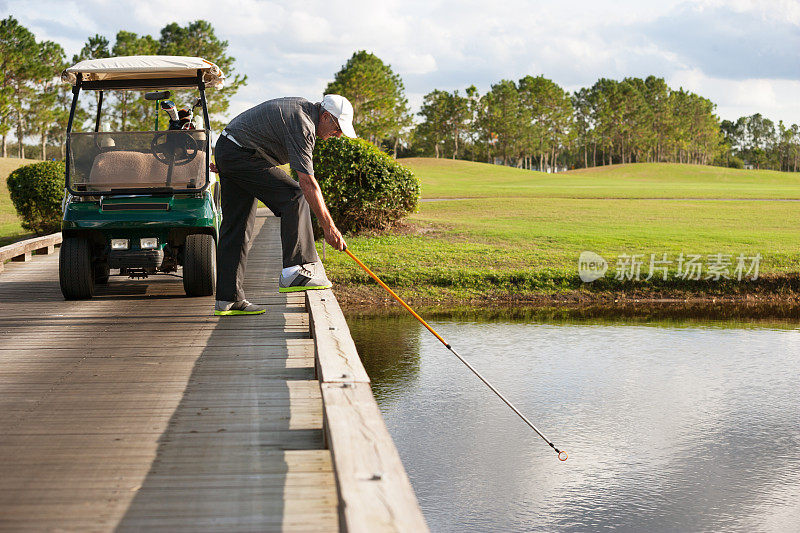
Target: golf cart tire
[[199, 265], [75, 269], [101, 273]]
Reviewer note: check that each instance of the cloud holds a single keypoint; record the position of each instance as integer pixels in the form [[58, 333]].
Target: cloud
[[417, 64], [736, 41], [732, 51], [774, 98]]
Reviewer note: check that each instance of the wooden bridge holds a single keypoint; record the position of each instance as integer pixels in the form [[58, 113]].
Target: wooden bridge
[[138, 409]]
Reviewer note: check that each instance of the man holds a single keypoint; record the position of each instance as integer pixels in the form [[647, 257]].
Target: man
[[247, 156]]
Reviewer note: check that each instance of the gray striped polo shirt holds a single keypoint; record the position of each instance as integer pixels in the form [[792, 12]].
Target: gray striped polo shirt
[[282, 131]]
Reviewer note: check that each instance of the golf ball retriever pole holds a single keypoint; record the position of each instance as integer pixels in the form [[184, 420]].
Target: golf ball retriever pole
[[562, 455]]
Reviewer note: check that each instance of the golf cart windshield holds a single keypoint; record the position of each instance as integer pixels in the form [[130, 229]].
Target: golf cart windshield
[[115, 161], [174, 160]]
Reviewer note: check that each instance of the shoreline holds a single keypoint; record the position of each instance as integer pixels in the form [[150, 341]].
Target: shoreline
[[359, 300]]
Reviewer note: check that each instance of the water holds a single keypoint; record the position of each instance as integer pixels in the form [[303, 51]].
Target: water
[[669, 427]]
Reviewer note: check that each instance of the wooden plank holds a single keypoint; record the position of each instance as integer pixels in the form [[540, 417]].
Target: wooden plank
[[241, 459], [337, 358], [271, 489], [139, 409], [170, 340], [291, 348], [374, 490]]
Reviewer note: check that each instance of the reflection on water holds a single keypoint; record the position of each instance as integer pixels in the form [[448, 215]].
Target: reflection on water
[[395, 360], [685, 427]]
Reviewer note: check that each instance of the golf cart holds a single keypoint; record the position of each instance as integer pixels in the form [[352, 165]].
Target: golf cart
[[142, 202]]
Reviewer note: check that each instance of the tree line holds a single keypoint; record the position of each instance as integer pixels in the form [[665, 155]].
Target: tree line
[[534, 123], [531, 123], [35, 103]]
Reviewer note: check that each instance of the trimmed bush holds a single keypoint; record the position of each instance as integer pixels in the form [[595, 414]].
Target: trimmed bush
[[37, 191], [735, 162], [364, 188]]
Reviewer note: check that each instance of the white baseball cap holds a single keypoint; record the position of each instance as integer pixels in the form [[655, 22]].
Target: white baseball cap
[[340, 107]]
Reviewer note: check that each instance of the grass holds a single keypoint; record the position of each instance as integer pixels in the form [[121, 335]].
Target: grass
[[446, 178], [10, 226], [506, 246], [516, 235]]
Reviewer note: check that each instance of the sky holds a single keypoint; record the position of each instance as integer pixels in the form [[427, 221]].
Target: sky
[[744, 55]]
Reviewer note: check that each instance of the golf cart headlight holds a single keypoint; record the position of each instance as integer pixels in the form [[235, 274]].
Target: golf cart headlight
[[148, 243], [119, 244]]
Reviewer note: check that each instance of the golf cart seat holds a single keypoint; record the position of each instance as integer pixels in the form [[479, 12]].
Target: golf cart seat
[[120, 169]]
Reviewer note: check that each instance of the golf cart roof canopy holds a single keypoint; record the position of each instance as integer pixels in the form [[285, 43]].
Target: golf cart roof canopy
[[144, 72]]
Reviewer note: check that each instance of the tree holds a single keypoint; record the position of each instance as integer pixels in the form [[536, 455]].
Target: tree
[[131, 110], [546, 117], [758, 138], [607, 111], [794, 149], [584, 124], [656, 94], [58, 128], [19, 53], [731, 142], [377, 95], [6, 108], [446, 120], [45, 103], [787, 147], [198, 39], [501, 120], [473, 112], [96, 47], [457, 117], [433, 129]]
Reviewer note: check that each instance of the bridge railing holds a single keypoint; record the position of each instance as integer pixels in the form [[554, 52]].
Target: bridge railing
[[22, 250], [375, 493]]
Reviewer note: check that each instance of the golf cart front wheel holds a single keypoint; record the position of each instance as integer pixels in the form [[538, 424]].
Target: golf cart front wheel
[[199, 265], [75, 270], [101, 273]]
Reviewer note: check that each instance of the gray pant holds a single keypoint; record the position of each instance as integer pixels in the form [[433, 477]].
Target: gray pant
[[245, 178]]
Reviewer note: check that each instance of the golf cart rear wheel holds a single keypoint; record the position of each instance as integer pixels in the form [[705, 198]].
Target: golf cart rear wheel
[[199, 265], [75, 270]]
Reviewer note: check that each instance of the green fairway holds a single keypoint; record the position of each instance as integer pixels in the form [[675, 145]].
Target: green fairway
[[10, 227], [447, 178], [519, 233], [529, 243]]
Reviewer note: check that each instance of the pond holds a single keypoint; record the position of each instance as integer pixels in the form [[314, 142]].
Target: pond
[[677, 425]]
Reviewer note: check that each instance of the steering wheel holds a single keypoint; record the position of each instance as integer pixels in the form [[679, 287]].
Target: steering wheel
[[167, 143]]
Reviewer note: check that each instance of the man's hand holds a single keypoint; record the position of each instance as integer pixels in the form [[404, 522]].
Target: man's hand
[[213, 168], [314, 198], [334, 237]]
